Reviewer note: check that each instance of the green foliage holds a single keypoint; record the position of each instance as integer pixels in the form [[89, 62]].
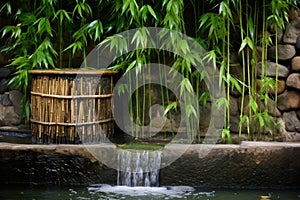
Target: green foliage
[[253, 18], [44, 33]]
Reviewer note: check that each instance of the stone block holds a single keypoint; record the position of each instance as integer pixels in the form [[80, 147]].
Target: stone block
[[3, 85], [15, 97], [292, 31], [4, 100], [295, 64], [5, 72], [280, 86], [293, 81], [289, 100], [291, 121], [293, 13], [283, 71], [285, 52], [298, 114], [8, 116]]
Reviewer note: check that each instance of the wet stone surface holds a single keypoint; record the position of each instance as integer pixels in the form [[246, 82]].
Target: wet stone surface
[[251, 164]]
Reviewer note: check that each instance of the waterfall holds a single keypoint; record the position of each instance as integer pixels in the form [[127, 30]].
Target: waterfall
[[138, 167]]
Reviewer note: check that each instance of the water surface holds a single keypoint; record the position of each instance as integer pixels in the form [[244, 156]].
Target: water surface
[[109, 192]]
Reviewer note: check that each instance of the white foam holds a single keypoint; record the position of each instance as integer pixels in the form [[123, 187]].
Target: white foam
[[168, 191]]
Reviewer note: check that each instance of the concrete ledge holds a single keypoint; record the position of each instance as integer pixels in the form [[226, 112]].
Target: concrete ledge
[[251, 164]]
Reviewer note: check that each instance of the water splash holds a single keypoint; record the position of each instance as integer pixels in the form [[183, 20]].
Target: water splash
[[125, 192], [138, 168]]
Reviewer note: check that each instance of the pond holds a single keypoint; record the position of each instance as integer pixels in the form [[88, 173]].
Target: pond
[[15, 137], [252, 171], [103, 191]]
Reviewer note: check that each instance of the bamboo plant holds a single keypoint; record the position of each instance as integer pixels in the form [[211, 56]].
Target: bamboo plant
[[42, 34]]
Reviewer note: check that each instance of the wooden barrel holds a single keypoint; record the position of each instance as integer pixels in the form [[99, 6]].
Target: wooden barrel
[[71, 106]]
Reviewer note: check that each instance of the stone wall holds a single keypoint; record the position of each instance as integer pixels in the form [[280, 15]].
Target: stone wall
[[10, 101], [289, 91], [287, 111]]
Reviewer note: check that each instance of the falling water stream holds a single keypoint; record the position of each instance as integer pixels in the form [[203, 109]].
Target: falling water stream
[[138, 168]]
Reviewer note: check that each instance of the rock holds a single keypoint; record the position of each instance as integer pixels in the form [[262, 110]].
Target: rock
[[3, 86], [279, 32], [205, 117], [272, 109], [293, 81], [234, 58], [295, 64], [293, 13], [258, 53], [280, 86], [8, 116], [234, 124], [291, 121], [298, 114], [297, 45], [271, 70], [3, 59], [285, 52], [5, 72], [279, 35], [4, 100], [292, 136], [233, 105], [15, 97], [292, 31], [289, 100]]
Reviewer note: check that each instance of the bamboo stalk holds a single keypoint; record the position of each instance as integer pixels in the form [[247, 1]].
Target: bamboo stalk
[[57, 114], [62, 106], [72, 119], [45, 106], [81, 112], [90, 110]]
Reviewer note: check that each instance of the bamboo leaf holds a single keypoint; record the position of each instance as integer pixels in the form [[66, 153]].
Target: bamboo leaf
[[170, 106], [144, 12], [44, 26], [245, 119], [260, 119], [122, 88], [246, 42], [253, 104], [235, 84], [125, 6], [226, 134], [132, 65], [222, 101], [6, 6], [204, 98], [185, 86], [152, 12], [190, 110], [251, 27]]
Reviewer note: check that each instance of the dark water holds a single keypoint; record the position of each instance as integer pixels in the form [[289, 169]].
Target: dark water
[[101, 191], [15, 137]]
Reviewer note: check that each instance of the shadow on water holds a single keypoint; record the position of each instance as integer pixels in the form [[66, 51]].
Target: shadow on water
[[15, 137]]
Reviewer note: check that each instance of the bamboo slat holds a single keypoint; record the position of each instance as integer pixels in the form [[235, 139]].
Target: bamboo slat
[[71, 106]]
